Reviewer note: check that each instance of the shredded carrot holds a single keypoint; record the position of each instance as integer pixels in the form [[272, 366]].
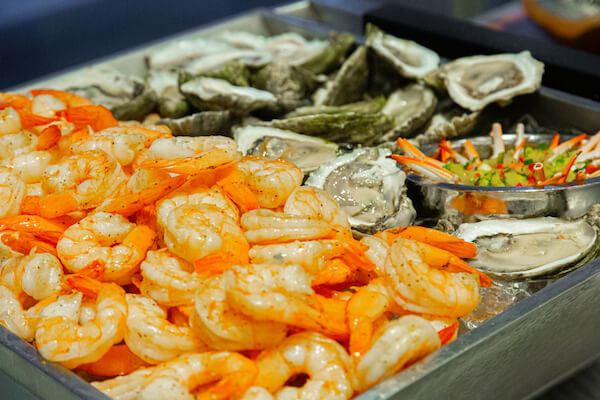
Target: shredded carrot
[[555, 140], [565, 173]]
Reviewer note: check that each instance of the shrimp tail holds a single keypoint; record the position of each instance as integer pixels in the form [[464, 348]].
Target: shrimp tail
[[25, 242], [191, 165], [216, 263], [441, 240], [49, 230], [362, 310], [336, 271], [48, 138], [52, 206], [89, 287], [241, 195], [448, 334], [119, 360]]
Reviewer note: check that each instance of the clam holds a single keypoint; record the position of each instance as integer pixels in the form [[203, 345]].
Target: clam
[[217, 94], [408, 58], [369, 187], [199, 124], [474, 82], [522, 248], [409, 107], [181, 52], [350, 82], [307, 152]]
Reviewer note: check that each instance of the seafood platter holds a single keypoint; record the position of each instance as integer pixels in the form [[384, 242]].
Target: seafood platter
[[269, 208]]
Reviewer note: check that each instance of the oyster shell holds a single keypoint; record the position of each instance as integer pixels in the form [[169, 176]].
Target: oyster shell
[[474, 82], [410, 107], [449, 121], [307, 152], [171, 103], [199, 124], [212, 62], [519, 248], [218, 94], [332, 56], [369, 187], [350, 82], [410, 59], [289, 83], [182, 52], [366, 106]]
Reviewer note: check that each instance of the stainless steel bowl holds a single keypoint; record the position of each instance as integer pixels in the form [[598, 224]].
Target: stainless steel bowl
[[568, 200]]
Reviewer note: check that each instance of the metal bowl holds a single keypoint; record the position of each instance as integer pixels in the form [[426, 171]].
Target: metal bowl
[[568, 200]]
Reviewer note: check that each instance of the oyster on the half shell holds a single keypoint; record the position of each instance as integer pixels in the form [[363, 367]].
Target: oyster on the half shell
[[307, 152], [520, 248], [474, 82], [369, 187]]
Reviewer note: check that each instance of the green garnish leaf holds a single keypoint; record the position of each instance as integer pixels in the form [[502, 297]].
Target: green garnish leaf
[[543, 146], [528, 161]]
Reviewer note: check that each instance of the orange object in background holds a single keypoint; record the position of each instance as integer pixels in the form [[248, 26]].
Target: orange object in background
[[471, 204]]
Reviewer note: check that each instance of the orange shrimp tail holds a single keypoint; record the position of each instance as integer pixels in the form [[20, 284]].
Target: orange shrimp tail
[[354, 255], [241, 195], [147, 216], [48, 138], [362, 310], [336, 272], [70, 99], [90, 287], [30, 120], [98, 117], [232, 386], [191, 165], [93, 270], [435, 238], [129, 204], [14, 100], [25, 242], [217, 263], [142, 238], [328, 318], [53, 206], [119, 360], [45, 229], [448, 334]]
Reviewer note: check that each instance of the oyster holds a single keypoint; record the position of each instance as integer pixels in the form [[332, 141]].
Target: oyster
[[171, 103], [199, 124], [366, 106], [332, 56], [519, 248], [369, 187], [289, 83], [218, 94], [410, 107], [350, 82], [449, 121], [307, 152], [212, 62], [408, 58], [181, 52], [474, 82]]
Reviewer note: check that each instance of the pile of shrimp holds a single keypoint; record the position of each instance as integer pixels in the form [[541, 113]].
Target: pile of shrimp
[[175, 267]]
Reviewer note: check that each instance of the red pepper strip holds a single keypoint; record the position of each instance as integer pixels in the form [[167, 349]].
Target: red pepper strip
[[590, 169]]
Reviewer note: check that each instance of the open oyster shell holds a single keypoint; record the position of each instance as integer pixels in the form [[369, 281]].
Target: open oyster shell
[[212, 62], [365, 106], [474, 82], [199, 124], [171, 103], [307, 152], [521, 248], [332, 56], [218, 94], [369, 187], [350, 82], [182, 52], [410, 59], [289, 83]]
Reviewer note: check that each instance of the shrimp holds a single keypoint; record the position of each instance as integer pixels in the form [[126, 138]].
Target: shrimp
[[195, 231], [144, 178], [195, 195], [126, 387], [37, 275], [74, 331], [326, 363], [12, 193], [266, 226], [47, 105], [120, 144], [311, 255], [378, 252], [14, 317], [10, 122], [313, 202], [282, 294], [419, 288], [257, 393], [168, 279], [222, 328], [78, 182], [151, 336], [109, 239], [395, 344], [272, 181], [19, 151]]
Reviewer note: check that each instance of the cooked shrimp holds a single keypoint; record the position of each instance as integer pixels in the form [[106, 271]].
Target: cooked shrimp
[[109, 239], [126, 387], [37, 275], [195, 195], [313, 202], [151, 336], [282, 294], [46, 105], [14, 317], [10, 122], [168, 279], [12, 193], [379, 251], [15, 144], [74, 331], [120, 144], [222, 328], [325, 361], [257, 393], [78, 182], [395, 344], [266, 226], [223, 375], [195, 231], [419, 288], [6, 252], [144, 178], [272, 181], [311, 255]]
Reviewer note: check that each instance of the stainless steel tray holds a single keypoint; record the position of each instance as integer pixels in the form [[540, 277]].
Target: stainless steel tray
[[514, 355]]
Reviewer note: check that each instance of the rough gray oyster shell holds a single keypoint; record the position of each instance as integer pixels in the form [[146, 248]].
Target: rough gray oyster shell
[[331, 56], [204, 123], [171, 103], [350, 82]]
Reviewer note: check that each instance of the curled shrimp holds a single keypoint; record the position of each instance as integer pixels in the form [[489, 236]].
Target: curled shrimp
[[12, 193], [10, 122], [419, 288], [168, 279], [37, 275], [20, 152], [151, 336], [222, 328], [15, 317], [325, 361], [313, 202], [311, 255], [282, 294], [394, 345], [74, 331], [109, 239], [119, 143], [78, 182], [257, 393], [126, 387], [193, 232], [266, 226]]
